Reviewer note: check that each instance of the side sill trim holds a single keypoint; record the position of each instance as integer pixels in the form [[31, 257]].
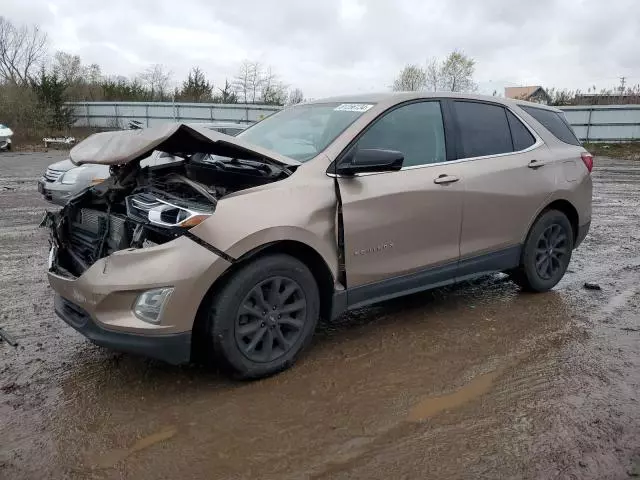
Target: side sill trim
[[450, 273]]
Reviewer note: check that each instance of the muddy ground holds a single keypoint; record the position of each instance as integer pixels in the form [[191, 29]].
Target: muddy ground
[[476, 381]]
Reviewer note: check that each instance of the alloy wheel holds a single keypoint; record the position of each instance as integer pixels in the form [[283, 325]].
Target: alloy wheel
[[551, 251], [270, 319]]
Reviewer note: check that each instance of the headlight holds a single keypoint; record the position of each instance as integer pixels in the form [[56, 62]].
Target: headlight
[[71, 176], [149, 304], [162, 213], [175, 216]]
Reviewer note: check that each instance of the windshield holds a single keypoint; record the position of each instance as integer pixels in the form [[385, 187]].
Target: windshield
[[303, 131]]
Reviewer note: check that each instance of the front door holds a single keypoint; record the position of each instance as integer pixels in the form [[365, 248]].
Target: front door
[[400, 226]]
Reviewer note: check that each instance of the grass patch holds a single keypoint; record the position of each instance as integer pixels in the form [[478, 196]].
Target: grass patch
[[627, 150]]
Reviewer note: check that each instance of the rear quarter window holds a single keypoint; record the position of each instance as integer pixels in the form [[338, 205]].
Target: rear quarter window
[[554, 122]]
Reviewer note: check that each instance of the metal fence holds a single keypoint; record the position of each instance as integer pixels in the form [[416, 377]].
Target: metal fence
[[118, 114], [605, 123], [597, 123]]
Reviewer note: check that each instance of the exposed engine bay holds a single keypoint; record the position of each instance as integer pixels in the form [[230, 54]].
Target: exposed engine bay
[[141, 207]]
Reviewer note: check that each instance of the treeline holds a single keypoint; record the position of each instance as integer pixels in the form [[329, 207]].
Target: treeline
[[35, 85], [620, 95]]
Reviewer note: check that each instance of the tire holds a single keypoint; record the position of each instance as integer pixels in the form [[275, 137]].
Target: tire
[[550, 240], [240, 328]]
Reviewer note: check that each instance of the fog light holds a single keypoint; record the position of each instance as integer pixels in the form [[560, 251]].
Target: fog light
[[149, 304]]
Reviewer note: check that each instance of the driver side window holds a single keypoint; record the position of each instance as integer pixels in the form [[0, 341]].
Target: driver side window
[[415, 129]]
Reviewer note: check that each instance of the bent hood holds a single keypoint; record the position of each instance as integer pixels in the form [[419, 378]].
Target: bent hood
[[124, 146]]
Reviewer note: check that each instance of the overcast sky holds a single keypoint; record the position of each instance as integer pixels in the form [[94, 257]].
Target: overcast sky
[[342, 46]]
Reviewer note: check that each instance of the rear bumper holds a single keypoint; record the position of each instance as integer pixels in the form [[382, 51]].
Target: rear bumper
[[582, 233], [171, 348]]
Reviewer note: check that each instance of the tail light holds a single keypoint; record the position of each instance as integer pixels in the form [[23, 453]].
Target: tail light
[[587, 159]]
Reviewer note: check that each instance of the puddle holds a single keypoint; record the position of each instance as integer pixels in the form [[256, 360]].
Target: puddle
[[433, 405], [111, 458]]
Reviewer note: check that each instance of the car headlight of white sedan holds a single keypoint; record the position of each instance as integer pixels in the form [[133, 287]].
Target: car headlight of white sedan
[[71, 176]]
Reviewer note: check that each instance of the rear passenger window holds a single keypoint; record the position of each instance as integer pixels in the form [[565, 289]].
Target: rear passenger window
[[483, 129], [522, 138], [554, 122], [415, 129]]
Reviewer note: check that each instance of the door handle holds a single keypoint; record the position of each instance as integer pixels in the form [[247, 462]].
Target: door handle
[[445, 179], [535, 164]]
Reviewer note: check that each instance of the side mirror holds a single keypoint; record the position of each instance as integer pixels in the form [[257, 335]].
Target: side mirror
[[370, 160]]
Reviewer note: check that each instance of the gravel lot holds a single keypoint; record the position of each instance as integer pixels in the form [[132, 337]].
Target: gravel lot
[[476, 381]]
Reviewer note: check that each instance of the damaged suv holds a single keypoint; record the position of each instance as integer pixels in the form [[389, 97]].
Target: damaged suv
[[233, 254]]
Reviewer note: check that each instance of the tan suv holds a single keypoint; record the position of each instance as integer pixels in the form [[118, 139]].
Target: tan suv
[[235, 253]]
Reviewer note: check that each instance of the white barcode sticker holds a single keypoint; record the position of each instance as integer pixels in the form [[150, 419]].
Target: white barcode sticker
[[353, 107]]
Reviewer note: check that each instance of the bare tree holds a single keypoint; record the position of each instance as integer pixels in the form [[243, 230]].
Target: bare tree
[[157, 80], [92, 73], [295, 96], [22, 51], [257, 79], [249, 81], [68, 67], [453, 74], [456, 73], [241, 81], [411, 78], [273, 91], [432, 73]]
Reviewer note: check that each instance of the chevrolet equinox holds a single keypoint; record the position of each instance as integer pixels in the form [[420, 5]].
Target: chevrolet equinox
[[232, 255]]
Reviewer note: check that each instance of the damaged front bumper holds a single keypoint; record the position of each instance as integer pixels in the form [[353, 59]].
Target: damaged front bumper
[[171, 348], [100, 302]]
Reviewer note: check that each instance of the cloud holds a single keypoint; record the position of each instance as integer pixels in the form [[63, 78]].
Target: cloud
[[337, 46]]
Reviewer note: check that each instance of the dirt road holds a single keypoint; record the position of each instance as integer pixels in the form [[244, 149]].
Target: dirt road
[[476, 381]]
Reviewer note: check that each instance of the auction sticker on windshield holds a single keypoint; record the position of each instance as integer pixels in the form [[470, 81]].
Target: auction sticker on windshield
[[353, 107]]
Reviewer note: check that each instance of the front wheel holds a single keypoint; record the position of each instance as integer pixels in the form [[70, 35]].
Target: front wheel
[[264, 316], [547, 253]]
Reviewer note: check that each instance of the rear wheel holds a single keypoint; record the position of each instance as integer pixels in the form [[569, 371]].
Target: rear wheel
[[264, 316], [547, 253]]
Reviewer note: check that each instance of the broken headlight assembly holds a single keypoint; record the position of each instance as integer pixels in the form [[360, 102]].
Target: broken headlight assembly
[[148, 208]]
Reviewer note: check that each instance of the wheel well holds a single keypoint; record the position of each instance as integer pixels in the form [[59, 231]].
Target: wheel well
[[569, 210], [311, 258], [307, 255]]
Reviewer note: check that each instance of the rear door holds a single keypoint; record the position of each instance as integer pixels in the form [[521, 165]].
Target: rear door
[[406, 222], [508, 176]]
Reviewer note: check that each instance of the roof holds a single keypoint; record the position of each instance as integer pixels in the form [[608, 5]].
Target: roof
[[521, 92], [392, 98]]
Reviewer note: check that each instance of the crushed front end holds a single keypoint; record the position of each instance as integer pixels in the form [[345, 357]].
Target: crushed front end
[[125, 274], [127, 271]]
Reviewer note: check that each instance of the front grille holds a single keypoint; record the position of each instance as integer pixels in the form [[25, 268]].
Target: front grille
[[52, 175]]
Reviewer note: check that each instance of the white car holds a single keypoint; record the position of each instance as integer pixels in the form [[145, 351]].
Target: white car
[[5, 137]]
